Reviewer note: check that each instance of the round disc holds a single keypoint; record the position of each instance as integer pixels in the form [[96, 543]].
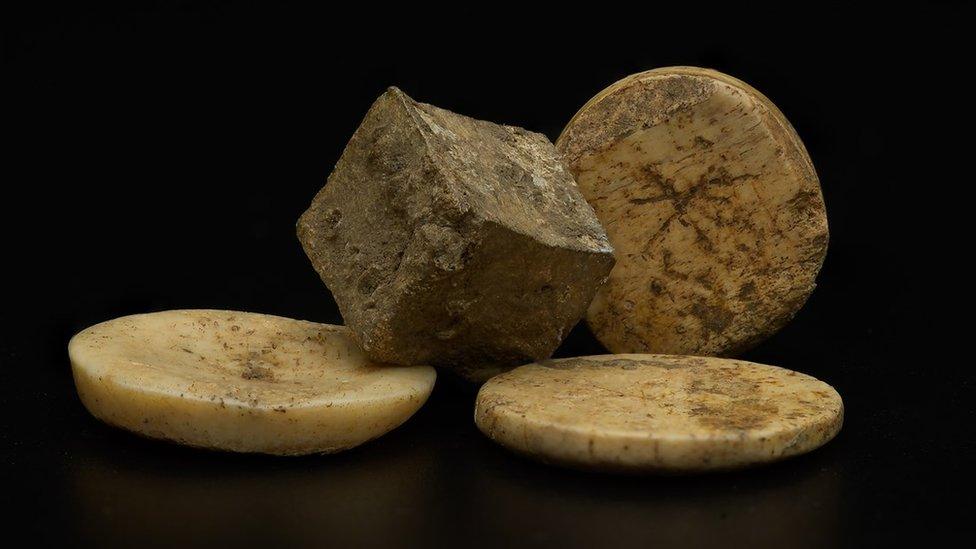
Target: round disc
[[657, 412], [711, 204], [243, 382]]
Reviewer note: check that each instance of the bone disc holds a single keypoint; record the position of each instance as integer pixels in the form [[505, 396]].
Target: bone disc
[[647, 413], [712, 206], [243, 382]]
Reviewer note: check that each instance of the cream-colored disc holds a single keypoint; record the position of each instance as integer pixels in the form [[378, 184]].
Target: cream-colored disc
[[657, 412], [712, 206], [243, 382]]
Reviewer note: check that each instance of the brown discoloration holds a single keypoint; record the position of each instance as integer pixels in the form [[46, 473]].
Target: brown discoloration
[[741, 415], [609, 116], [713, 318], [657, 412], [712, 205], [743, 407], [252, 371], [453, 241]]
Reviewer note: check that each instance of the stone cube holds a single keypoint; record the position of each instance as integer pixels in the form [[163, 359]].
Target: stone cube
[[454, 242]]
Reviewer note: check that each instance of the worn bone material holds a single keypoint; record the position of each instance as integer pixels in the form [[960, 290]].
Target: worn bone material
[[647, 413], [711, 203], [452, 241], [242, 382]]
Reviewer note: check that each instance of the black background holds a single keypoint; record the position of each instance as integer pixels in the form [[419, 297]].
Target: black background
[[159, 156]]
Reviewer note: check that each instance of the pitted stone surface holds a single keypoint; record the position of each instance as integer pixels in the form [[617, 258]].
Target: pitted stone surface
[[452, 241]]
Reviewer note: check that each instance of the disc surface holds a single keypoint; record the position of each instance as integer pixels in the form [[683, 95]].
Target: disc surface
[[243, 382], [712, 206], [657, 412]]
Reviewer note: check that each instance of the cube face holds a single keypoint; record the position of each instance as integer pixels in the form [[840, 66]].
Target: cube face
[[454, 242]]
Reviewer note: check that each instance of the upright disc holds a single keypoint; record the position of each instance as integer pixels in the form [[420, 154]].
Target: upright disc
[[711, 204]]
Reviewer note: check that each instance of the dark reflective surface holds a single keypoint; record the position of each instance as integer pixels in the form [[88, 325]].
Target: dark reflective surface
[[435, 480], [438, 481], [165, 153]]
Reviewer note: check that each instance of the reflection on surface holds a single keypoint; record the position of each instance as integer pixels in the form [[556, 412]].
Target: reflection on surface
[[137, 490], [436, 480], [791, 504]]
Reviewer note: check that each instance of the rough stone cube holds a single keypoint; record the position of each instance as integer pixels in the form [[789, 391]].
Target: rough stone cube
[[454, 242]]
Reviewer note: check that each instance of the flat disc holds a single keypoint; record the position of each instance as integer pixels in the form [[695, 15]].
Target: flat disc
[[243, 382], [711, 204], [657, 412]]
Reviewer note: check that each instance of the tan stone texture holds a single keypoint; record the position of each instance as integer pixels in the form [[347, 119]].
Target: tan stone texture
[[712, 206], [657, 413], [242, 382]]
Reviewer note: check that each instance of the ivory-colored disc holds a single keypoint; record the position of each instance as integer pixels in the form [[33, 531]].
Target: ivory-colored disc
[[657, 412], [712, 206], [243, 382]]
